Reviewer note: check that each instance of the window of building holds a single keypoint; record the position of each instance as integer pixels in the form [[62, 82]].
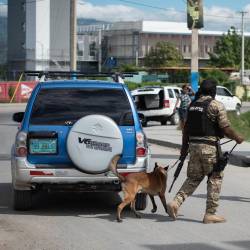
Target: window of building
[[23, 6], [23, 24], [184, 48]]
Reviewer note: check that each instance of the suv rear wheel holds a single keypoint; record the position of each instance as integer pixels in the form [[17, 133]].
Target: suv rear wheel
[[164, 121], [141, 201], [144, 123], [22, 199], [174, 120]]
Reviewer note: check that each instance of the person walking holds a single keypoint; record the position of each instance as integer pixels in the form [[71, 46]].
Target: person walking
[[207, 122], [184, 100]]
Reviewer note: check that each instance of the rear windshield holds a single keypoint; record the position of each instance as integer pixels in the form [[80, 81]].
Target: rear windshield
[[66, 106]]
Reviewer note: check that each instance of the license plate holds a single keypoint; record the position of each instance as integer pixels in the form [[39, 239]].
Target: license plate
[[43, 146]]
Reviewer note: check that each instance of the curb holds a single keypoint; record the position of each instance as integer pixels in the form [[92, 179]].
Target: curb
[[235, 159]]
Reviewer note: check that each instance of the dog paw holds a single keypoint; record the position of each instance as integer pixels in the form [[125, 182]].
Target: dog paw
[[119, 220], [138, 216], [153, 210]]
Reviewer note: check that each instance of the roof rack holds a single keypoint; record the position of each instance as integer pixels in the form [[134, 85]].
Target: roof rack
[[44, 75]]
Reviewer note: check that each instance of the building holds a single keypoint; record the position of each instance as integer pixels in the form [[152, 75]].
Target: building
[[3, 34], [38, 34], [130, 42]]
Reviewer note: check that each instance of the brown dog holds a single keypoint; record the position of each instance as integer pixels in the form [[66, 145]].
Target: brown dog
[[154, 183]]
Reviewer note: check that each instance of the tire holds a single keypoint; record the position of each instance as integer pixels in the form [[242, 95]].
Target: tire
[[164, 122], [175, 119], [144, 123], [141, 201], [22, 200], [237, 109]]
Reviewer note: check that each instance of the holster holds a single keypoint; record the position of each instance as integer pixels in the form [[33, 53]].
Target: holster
[[222, 159]]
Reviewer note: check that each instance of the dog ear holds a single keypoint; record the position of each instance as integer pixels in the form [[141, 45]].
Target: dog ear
[[156, 166], [166, 168]]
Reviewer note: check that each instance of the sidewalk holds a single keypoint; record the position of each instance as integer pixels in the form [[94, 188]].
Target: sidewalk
[[169, 136]]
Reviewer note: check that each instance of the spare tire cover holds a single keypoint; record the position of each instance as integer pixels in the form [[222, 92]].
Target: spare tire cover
[[92, 143]]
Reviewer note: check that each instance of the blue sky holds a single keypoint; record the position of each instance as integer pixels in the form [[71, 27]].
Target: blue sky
[[218, 14], [180, 4]]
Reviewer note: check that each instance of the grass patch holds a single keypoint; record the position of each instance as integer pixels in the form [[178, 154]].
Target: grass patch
[[241, 124]]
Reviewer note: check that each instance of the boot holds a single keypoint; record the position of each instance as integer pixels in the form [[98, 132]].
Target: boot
[[213, 218], [172, 208]]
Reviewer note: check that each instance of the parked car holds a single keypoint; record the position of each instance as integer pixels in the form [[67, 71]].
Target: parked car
[[68, 135], [230, 101], [157, 104]]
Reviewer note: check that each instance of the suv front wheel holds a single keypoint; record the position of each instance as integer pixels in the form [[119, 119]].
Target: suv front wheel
[[237, 109], [22, 200]]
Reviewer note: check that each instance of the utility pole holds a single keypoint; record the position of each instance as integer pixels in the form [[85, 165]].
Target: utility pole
[[242, 47], [100, 50], [195, 59], [194, 23], [73, 35]]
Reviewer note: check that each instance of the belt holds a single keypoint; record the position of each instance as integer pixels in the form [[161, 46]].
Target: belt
[[212, 143]]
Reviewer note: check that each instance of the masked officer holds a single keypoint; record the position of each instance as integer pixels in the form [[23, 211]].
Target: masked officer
[[207, 122]]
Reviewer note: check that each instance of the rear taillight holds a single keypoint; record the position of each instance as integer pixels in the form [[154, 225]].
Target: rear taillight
[[21, 144], [166, 104], [141, 145]]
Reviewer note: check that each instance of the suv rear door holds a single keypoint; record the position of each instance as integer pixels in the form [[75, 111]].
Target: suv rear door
[[55, 110]]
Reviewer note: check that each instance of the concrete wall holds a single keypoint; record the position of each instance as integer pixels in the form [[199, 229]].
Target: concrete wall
[[16, 34], [59, 30]]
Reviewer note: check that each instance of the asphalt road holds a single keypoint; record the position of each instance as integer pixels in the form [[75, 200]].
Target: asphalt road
[[87, 221]]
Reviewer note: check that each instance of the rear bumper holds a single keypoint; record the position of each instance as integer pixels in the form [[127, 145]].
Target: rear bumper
[[157, 113], [26, 176]]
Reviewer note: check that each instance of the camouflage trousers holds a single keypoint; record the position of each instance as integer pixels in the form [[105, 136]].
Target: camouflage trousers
[[202, 159]]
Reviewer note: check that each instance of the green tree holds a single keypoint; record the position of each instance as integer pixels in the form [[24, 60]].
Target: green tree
[[227, 51], [219, 76], [163, 54]]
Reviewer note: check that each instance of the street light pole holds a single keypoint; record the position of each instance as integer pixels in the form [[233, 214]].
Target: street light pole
[[242, 47]]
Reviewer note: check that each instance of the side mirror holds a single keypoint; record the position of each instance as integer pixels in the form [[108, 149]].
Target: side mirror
[[18, 117]]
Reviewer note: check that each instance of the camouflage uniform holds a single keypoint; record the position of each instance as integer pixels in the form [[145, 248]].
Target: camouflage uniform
[[202, 158]]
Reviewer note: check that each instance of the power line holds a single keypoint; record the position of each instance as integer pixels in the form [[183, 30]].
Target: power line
[[181, 11]]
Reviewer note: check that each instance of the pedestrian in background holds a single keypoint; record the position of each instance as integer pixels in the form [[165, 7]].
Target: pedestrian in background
[[183, 102], [206, 123]]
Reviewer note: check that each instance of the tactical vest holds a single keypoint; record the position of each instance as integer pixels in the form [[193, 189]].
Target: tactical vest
[[198, 123]]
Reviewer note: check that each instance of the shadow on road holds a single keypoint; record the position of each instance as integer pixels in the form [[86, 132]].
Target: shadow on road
[[199, 246], [100, 205], [223, 197]]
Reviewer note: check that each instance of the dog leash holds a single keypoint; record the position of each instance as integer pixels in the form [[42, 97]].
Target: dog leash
[[173, 165]]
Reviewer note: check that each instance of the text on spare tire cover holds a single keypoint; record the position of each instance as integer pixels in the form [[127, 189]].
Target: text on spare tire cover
[[102, 146]]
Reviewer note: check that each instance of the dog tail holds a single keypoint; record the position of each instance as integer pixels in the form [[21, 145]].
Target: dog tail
[[113, 168]]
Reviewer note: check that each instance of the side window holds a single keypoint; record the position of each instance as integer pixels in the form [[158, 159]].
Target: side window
[[222, 92], [227, 93], [177, 93], [170, 93]]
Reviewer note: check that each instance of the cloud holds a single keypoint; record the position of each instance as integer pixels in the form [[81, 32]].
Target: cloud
[[215, 17], [120, 12], [223, 18], [3, 10]]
